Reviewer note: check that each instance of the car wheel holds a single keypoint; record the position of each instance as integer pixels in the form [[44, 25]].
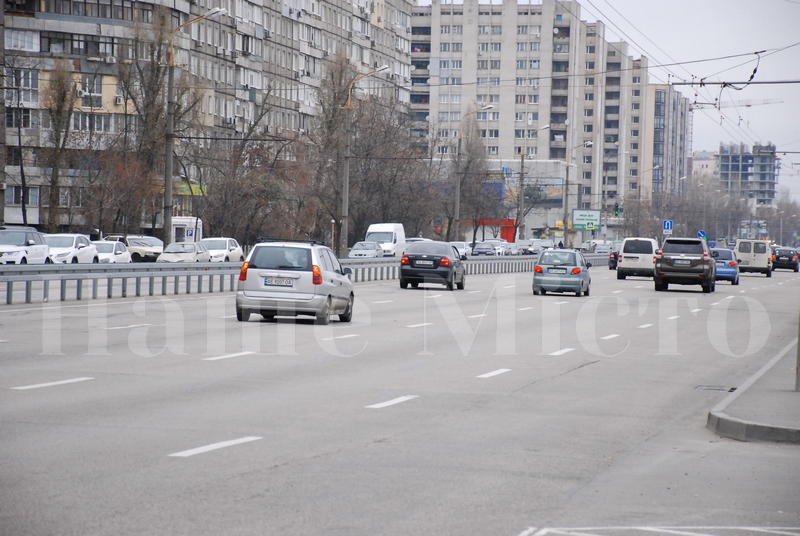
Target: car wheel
[[74, 260], [23, 260], [227, 259], [449, 284], [48, 261], [586, 292], [347, 315], [136, 258], [769, 273], [706, 287], [403, 283], [620, 275], [95, 260], [323, 317], [463, 282], [268, 317], [660, 285], [796, 267], [415, 285], [579, 293], [735, 281], [542, 292], [536, 292], [241, 315]]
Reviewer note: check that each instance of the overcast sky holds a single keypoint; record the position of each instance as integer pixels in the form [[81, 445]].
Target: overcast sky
[[698, 29]]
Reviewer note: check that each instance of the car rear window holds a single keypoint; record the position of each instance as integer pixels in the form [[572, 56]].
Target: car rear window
[[745, 247], [786, 252], [638, 246], [759, 247], [558, 257], [428, 248], [683, 246], [281, 258], [722, 254]]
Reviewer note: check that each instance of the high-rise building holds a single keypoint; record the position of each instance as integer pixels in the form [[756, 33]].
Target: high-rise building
[[275, 51], [666, 155], [749, 173]]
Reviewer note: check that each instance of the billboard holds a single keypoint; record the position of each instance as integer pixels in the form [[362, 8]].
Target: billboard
[[585, 220]]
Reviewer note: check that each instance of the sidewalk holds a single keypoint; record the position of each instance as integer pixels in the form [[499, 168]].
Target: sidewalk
[[765, 407]]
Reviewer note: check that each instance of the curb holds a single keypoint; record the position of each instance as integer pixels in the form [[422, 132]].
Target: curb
[[725, 425]]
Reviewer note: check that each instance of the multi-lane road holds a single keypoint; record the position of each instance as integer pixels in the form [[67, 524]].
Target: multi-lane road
[[486, 411]]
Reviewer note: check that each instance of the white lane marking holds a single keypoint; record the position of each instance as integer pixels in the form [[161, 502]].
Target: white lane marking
[[433, 296], [382, 301], [729, 297], [561, 352], [561, 302], [420, 325], [3, 340], [716, 303], [639, 286], [696, 310], [228, 316], [674, 317], [616, 292], [524, 308], [350, 336], [52, 384], [227, 356], [494, 373], [742, 291], [662, 530], [509, 286], [473, 291], [645, 326], [214, 446], [129, 327], [597, 531], [392, 402], [477, 316], [609, 337], [530, 531]]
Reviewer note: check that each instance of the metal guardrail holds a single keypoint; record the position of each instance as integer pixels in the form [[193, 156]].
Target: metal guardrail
[[32, 283]]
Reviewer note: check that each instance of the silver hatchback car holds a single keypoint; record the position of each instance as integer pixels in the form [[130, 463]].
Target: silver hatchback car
[[561, 270], [286, 278]]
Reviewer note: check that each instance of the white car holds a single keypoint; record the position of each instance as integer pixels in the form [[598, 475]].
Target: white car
[[223, 249], [462, 247], [71, 248], [23, 245], [112, 252], [141, 247], [185, 252], [362, 250], [500, 245]]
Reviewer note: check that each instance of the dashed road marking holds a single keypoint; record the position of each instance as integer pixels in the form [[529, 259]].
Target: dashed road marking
[[645, 326], [227, 356], [561, 302], [473, 291], [420, 325], [639, 286], [561, 352], [477, 316], [433, 296], [392, 402], [696, 310], [679, 531], [129, 327], [509, 286], [673, 317], [214, 446], [524, 308], [716, 303], [616, 292], [52, 384], [609, 337], [494, 373], [382, 301], [729, 297], [742, 291], [349, 336]]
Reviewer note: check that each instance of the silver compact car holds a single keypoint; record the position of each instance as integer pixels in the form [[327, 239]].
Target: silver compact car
[[561, 270], [286, 278]]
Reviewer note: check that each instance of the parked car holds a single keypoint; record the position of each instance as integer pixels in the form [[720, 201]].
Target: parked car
[[513, 248], [432, 262], [786, 258], [294, 278], [561, 270], [602, 249], [537, 245], [636, 257], [362, 250], [754, 256], [484, 248], [185, 252], [112, 252], [462, 247], [71, 248], [223, 249], [500, 245], [727, 269], [141, 247], [684, 261], [23, 245], [417, 239]]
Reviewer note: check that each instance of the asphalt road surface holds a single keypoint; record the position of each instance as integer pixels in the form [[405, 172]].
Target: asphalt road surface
[[487, 411]]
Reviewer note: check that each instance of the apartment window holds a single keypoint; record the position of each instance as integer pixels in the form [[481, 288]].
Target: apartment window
[[483, 29], [518, 149], [492, 150], [634, 146], [522, 47], [522, 64], [456, 47], [533, 99], [590, 66], [457, 29], [588, 127], [27, 82], [442, 149], [443, 116], [590, 49], [444, 47], [534, 46], [611, 53], [634, 159], [530, 151], [588, 112], [22, 40], [520, 81], [636, 92], [444, 98], [444, 64], [451, 81], [455, 98], [495, 47], [18, 117], [14, 195], [481, 116], [587, 175], [587, 159], [637, 79], [533, 116], [635, 106], [533, 133], [91, 122], [533, 82], [519, 116], [635, 133], [483, 47], [561, 47], [494, 64], [522, 29], [588, 97], [445, 29], [520, 99], [519, 132], [494, 116], [633, 185], [589, 81], [483, 65], [533, 64], [497, 30], [634, 172], [635, 119], [490, 133], [456, 64]]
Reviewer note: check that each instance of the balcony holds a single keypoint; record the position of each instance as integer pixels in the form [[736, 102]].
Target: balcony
[[555, 109]]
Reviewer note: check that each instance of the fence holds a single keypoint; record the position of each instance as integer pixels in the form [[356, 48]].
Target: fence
[[44, 283]]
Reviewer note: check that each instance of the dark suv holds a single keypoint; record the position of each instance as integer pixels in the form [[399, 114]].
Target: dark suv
[[684, 261]]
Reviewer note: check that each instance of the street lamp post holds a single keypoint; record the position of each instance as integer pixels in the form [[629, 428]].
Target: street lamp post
[[521, 193], [345, 208], [170, 120], [566, 191], [457, 203]]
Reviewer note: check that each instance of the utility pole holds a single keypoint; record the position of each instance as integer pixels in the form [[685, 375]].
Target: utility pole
[[345, 209], [457, 205], [566, 206], [521, 200], [169, 148]]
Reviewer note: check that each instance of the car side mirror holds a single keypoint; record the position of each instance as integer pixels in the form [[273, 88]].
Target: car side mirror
[[31, 242], [347, 271], [463, 257], [81, 246], [588, 264]]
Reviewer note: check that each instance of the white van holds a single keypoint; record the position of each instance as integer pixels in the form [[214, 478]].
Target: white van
[[391, 237], [754, 256], [637, 256]]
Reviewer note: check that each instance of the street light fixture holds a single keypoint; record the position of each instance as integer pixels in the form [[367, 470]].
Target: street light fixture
[[457, 207], [345, 163], [170, 119]]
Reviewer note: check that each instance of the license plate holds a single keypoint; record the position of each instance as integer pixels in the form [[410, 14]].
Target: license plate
[[558, 270], [682, 261], [744, 262], [278, 282], [783, 258], [424, 263]]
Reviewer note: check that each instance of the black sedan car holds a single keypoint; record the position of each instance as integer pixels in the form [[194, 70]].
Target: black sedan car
[[786, 258], [432, 262]]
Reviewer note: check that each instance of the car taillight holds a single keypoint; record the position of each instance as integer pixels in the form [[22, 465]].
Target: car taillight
[[794, 258], [576, 271], [243, 272], [444, 261], [538, 269], [774, 257], [732, 263], [316, 275], [658, 255], [621, 256], [404, 259]]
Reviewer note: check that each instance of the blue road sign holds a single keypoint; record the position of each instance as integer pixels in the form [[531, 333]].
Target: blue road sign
[[712, 243], [701, 234], [666, 225]]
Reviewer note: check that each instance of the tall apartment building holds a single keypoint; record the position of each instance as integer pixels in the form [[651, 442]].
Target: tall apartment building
[[558, 90], [749, 173], [285, 45], [667, 152]]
